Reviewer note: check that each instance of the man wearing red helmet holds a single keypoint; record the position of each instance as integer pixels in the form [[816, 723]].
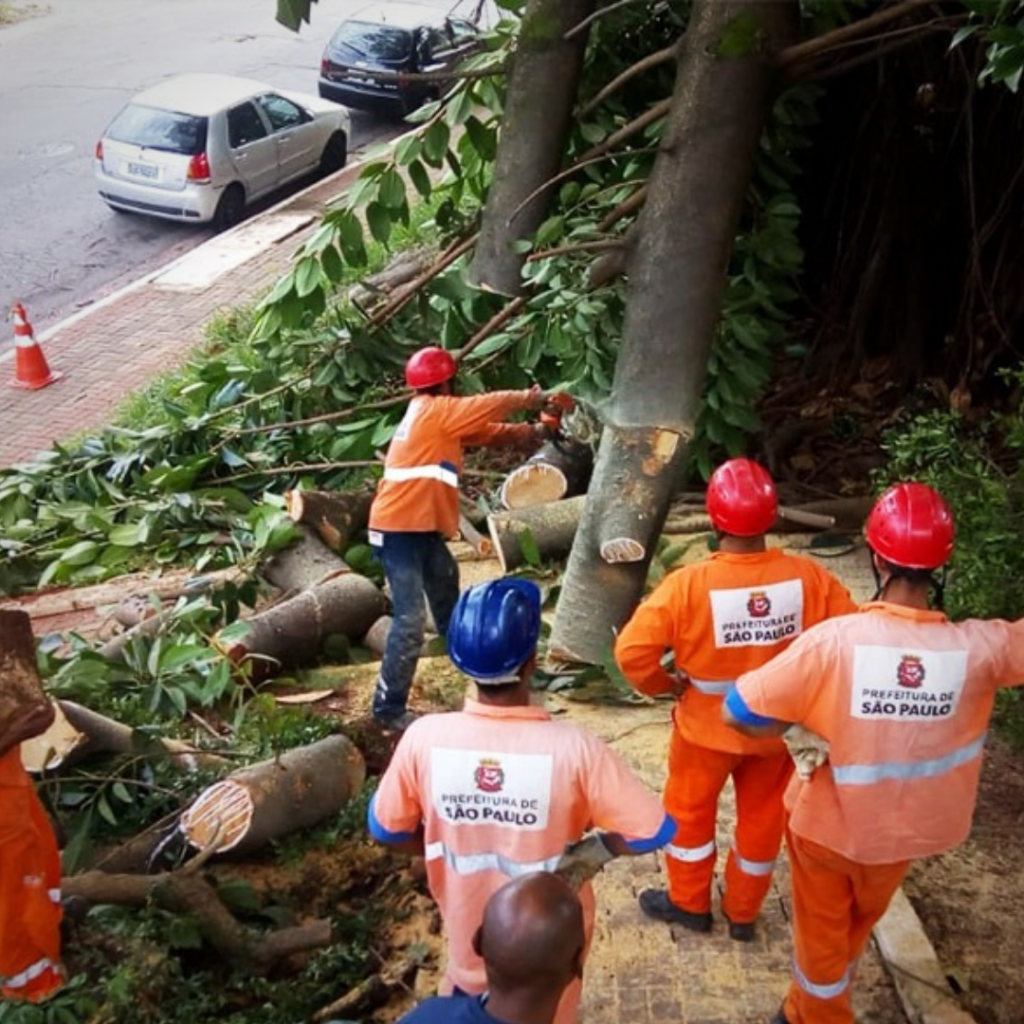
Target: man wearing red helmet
[[416, 509], [724, 616], [903, 696]]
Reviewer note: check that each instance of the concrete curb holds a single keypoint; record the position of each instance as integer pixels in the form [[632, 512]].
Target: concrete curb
[[915, 970]]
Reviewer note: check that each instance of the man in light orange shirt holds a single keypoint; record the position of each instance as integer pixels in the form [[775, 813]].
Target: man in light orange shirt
[[30, 911], [499, 789], [903, 697], [416, 509], [730, 613]]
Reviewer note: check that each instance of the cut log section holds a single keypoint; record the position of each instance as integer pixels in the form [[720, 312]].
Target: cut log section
[[377, 636], [304, 564], [293, 631], [560, 469], [481, 546], [551, 529], [336, 517], [267, 800], [20, 687]]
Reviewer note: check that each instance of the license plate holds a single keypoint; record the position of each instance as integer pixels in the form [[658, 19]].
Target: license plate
[[143, 170]]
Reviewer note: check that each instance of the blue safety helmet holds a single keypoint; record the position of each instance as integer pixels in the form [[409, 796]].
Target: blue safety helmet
[[494, 629]]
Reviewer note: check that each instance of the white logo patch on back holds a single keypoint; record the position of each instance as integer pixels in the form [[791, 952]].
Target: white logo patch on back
[[758, 616], [478, 787], [403, 428], [901, 684]]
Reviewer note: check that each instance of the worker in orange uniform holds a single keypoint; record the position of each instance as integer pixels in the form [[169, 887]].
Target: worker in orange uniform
[[902, 696], [416, 509], [30, 911], [728, 614], [499, 789]]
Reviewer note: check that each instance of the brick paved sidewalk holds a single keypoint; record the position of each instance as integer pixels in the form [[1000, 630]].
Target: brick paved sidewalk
[[117, 346]]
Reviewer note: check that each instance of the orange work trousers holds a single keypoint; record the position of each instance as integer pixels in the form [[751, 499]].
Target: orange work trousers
[[696, 776], [836, 903], [30, 909]]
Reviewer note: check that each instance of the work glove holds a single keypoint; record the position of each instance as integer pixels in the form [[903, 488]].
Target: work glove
[[582, 860], [808, 749]]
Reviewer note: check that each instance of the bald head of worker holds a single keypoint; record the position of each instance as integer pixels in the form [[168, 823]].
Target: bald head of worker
[[531, 941]]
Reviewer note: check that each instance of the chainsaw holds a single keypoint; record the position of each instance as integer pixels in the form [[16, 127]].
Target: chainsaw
[[557, 405]]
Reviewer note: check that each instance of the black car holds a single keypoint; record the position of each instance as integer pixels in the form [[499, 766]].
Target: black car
[[400, 38]]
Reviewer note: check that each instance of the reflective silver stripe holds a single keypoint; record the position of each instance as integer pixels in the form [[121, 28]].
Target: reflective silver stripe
[[471, 863], [31, 973], [753, 867], [837, 988], [713, 687], [54, 895], [691, 853], [866, 774], [399, 475]]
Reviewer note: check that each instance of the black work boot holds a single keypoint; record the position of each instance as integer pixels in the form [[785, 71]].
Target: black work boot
[[780, 1017], [655, 903], [740, 932]]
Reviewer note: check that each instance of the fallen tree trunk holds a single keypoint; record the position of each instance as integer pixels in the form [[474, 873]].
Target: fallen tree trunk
[[20, 686], [377, 636], [186, 892], [95, 733], [294, 630], [561, 468], [377, 288], [551, 529], [304, 564], [337, 517], [676, 272], [254, 805]]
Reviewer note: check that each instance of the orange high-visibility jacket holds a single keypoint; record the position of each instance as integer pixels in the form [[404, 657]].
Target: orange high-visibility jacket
[[419, 492], [904, 698], [29, 888], [720, 618]]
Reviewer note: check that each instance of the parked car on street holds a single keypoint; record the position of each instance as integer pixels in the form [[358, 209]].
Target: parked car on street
[[400, 39], [201, 147]]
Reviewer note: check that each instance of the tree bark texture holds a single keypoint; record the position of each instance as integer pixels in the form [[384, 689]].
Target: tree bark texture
[[20, 687], [676, 272], [304, 564], [293, 631], [542, 88], [337, 517], [552, 528], [561, 468], [254, 805]]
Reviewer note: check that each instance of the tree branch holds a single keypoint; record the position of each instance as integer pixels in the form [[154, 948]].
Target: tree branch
[[638, 124], [597, 245], [624, 209], [497, 321], [848, 33], [648, 62], [591, 18]]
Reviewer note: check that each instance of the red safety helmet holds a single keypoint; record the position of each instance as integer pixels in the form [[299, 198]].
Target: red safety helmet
[[741, 498], [430, 366], [911, 526]]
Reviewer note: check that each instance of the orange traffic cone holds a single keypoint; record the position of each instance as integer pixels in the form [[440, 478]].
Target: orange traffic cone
[[30, 367]]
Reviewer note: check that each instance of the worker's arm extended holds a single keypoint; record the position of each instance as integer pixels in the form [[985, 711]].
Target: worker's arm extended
[[736, 714], [409, 841]]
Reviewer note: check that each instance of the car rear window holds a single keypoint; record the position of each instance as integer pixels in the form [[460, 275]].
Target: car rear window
[[159, 129], [364, 40]]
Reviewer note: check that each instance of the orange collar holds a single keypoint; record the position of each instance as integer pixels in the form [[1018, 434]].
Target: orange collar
[[529, 712], [748, 557], [903, 611]]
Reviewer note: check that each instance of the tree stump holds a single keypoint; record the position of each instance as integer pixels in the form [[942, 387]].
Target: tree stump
[[254, 805]]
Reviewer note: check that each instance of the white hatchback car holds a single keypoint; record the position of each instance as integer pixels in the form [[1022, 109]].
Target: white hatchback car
[[201, 147]]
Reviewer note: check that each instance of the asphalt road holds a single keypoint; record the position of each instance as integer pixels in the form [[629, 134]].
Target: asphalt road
[[65, 70]]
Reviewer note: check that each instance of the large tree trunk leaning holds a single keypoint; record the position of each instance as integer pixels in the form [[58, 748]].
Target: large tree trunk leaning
[[293, 631], [541, 95], [20, 687], [337, 517], [676, 272], [551, 527], [561, 468], [254, 805], [188, 892]]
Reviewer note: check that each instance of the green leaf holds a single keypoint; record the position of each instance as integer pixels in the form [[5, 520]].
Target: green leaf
[[740, 37], [407, 150], [435, 143], [307, 276], [392, 190], [379, 221], [126, 535], [528, 547], [421, 179], [82, 553]]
